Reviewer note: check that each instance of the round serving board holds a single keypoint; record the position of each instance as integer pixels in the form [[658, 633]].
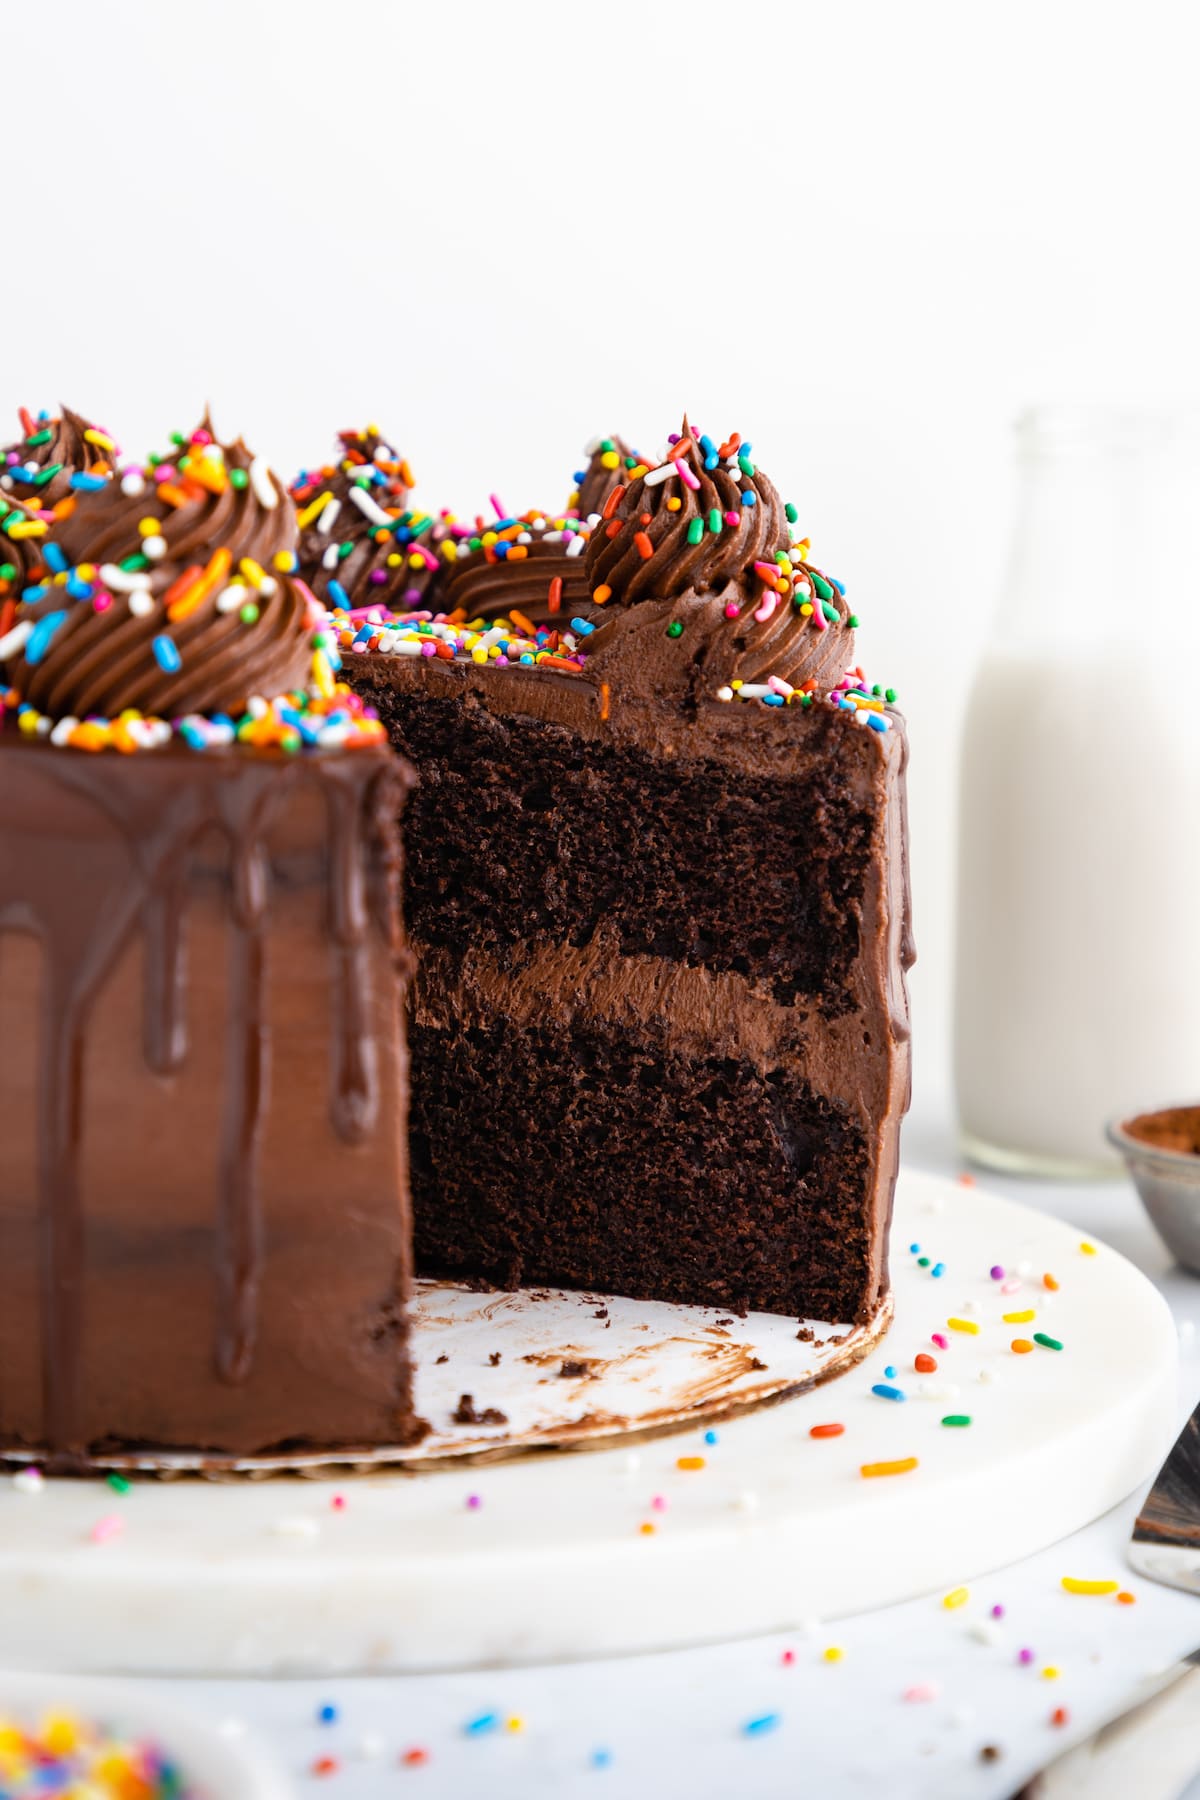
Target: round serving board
[[658, 1536]]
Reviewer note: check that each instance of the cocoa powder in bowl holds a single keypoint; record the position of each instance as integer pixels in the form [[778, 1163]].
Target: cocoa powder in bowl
[[1176, 1128]]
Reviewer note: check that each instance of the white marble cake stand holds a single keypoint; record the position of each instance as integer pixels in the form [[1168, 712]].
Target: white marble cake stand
[[485, 1558]]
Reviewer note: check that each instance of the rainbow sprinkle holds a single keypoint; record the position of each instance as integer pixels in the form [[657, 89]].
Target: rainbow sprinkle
[[68, 1756]]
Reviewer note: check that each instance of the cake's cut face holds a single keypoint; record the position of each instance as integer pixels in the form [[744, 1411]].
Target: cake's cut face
[[203, 1184], [658, 890]]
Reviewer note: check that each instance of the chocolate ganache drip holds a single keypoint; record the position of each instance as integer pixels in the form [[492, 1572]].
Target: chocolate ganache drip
[[703, 586], [361, 544], [171, 590]]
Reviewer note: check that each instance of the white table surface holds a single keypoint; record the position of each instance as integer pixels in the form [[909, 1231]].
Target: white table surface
[[674, 1725]]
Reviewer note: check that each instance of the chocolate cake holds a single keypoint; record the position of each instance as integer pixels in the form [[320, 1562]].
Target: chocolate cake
[[656, 884], [204, 1221]]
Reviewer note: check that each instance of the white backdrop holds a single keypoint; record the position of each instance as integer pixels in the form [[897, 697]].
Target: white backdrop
[[865, 235]]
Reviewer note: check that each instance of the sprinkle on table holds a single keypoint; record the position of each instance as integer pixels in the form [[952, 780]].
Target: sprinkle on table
[[957, 1419], [955, 1598], [764, 1723], [967, 1325], [826, 1431], [1022, 1346], [1074, 1586], [689, 1462], [1047, 1343], [901, 1465], [1020, 1318]]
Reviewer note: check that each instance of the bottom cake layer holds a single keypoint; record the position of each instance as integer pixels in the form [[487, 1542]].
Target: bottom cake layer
[[594, 1156]]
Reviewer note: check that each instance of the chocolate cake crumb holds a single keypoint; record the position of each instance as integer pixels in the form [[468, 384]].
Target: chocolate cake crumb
[[757, 1363], [990, 1753], [572, 1370], [494, 1359], [465, 1413], [442, 1358], [806, 1335]]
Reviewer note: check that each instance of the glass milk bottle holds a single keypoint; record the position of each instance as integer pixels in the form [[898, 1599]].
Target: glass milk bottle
[[1077, 991]]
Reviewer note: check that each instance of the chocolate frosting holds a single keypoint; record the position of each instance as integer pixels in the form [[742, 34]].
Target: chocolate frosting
[[485, 583], [703, 585], [176, 593], [39, 472], [518, 570], [36, 485], [360, 542], [609, 461]]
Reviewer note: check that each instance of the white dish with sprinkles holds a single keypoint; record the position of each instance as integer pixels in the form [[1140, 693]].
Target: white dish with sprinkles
[[734, 1525]]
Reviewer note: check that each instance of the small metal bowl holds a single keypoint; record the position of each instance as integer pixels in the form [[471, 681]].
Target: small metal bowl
[[1167, 1179]]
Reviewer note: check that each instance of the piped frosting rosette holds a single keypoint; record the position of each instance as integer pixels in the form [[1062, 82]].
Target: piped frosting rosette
[[703, 588], [41, 474], [171, 594], [361, 543]]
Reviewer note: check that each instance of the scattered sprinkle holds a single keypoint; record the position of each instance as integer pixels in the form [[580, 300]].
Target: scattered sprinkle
[[1074, 1586], [760, 1726], [956, 1597], [1047, 1343], [967, 1325], [900, 1466]]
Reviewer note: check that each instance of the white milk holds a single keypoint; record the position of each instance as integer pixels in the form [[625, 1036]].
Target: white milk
[[1078, 968]]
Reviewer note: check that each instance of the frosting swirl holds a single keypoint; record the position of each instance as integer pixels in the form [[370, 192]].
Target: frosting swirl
[[534, 565], [39, 467], [169, 591], [609, 461], [39, 475], [703, 584], [360, 542]]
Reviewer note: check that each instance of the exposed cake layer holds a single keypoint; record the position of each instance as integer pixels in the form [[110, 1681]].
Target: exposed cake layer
[[203, 1190], [674, 949]]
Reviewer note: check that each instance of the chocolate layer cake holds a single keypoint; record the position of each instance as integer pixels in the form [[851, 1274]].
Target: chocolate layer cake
[[657, 889], [204, 1219]]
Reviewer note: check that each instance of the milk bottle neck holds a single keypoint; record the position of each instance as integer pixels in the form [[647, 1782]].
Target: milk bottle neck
[[1097, 513]]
